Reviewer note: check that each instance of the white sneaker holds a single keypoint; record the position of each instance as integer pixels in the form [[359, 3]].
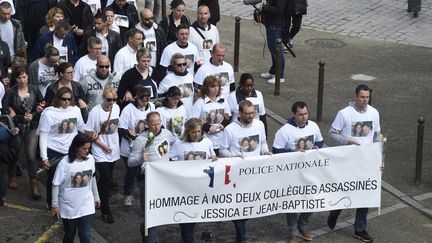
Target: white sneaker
[[267, 75], [127, 201], [273, 80], [291, 43]]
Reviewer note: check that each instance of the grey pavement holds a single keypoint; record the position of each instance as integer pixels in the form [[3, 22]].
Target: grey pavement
[[401, 92], [385, 20]]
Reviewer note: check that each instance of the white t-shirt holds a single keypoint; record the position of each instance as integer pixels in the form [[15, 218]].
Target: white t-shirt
[[124, 59], [173, 119], [211, 37], [63, 50], [192, 150], [348, 121], [150, 43], [105, 44], [297, 138], [2, 93], [185, 84], [7, 35], [258, 103], [211, 112], [109, 136], [244, 140], [94, 5], [83, 67], [132, 118], [46, 75], [190, 52], [75, 187], [62, 125], [224, 72]]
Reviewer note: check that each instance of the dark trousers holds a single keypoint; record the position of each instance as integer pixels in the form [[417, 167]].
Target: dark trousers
[[240, 226], [292, 25], [83, 224], [360, 221], [187, 232], [414, 5], [129, 178], [105, 170]]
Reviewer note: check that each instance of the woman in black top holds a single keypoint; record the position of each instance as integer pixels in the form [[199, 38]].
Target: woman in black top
[[170, 22]]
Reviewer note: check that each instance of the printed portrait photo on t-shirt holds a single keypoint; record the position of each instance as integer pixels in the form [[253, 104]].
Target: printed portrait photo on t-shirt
[[224, 78], [151, 45], [249, 144], [361, 128], [140, 126], [304, 143], [207, 44], [189, 60], [162, 148], [81, 178], [175, 125], [67, 126], [214, 116], [194, 155], [186, 90], [109, 127]]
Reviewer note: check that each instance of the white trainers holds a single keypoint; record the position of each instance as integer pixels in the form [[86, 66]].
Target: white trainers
[[273, 80], [127, 201], [267, 75]]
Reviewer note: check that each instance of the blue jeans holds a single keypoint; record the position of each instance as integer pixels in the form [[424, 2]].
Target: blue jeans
[[129, 178], [274, 32], [84, 229], [152, 236], [360, 221], [294, 224], [240, 226]]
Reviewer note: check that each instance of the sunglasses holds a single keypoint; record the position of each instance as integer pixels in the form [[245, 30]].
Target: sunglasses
[[111, 99], [149, 19], [65, 99], [103, 66], [181, 64]]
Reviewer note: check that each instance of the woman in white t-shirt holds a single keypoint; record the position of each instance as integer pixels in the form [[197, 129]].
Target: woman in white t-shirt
[[54, 124], [104, 120], [75, 200], [173, 112], [193, 146], [212, 108]]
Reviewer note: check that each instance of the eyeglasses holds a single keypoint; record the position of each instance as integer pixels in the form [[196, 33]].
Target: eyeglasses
[[111, 99], [65, 99], [181, 64], [103, 66], [149, 19]]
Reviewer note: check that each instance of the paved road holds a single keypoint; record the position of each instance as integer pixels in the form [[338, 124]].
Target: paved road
[[385, 20]]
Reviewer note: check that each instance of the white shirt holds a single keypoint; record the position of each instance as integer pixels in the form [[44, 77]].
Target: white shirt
[[124, 59], [211, 37], [258, 103], [149, 42], [83, 67], [173, 119], [94, 5], [185, 84], [7, 35], [109, 136], [190, 52], [63, 50], [224, 72], [295, 138], [192, 150], [46, 75], [2, 93]]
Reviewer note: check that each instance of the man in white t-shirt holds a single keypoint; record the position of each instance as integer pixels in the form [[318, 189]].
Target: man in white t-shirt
[[183, 46], [203, 34], [217, 67], [126, 56], [299, 134], [11, 30], [87, 63], [242, 138], [358, 123]]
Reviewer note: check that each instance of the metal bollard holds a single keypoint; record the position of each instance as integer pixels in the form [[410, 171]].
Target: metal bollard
[[278, 67], [164, 9], [370, 96], [419, 150], [236, 43], [321, 71]]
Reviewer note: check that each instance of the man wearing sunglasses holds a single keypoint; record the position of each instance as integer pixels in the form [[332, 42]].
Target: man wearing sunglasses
[[154, 39], [95, 82]]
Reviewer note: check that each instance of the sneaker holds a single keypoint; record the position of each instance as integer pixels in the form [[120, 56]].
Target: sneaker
[[291, 43], [331, 220], [273, 80], [127, 201], [267, 75], [292, 239], [306, 234], [363, 236]]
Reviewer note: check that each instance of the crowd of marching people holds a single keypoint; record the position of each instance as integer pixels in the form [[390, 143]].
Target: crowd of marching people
[[88, 84]]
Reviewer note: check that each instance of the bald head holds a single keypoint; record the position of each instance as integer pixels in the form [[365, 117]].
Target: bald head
[[203, 15], [218, 54], [147, 18], [102, 66]]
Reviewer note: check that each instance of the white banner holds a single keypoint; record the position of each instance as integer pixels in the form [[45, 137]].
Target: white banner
[[233, 188]]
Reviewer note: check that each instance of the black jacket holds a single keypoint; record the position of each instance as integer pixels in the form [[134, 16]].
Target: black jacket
[[296, 7], [130, 11], [273, 12], [114, 43]]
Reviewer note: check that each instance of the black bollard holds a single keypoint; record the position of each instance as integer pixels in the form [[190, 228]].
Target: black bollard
[[164, 9], [236, 43], [370, 96], [419, 150], [278, 66], [321, 70]]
